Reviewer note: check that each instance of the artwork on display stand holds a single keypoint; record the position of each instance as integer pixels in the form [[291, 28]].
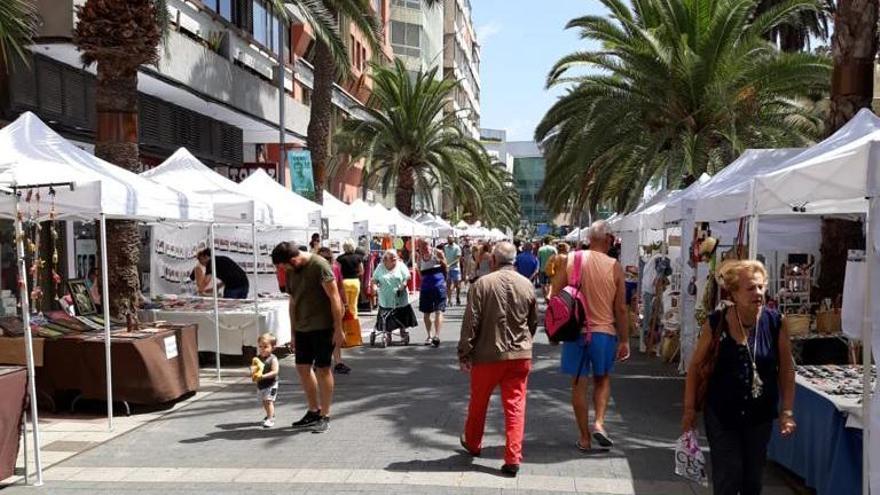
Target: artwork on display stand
[[82, 300]]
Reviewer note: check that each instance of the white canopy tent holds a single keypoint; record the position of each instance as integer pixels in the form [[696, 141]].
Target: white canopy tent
[[412, 227], [232, 206], [290, 210], [85, 187], [841, 179], [340, 215]]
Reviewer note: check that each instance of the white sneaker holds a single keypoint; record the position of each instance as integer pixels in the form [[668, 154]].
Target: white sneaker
[[268, 422]]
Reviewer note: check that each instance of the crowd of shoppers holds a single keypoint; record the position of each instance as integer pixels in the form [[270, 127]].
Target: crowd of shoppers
[[741, 371]]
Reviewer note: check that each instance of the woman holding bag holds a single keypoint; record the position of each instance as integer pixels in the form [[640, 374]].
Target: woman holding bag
[[395, 312], [741, 368]]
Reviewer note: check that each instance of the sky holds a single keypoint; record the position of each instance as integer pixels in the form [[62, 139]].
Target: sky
[[520, 42]]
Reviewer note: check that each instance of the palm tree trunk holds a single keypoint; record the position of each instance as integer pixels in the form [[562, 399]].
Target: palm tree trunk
[[791, 39], [853, 47], [318, 138], [116, 141], [405, 190]]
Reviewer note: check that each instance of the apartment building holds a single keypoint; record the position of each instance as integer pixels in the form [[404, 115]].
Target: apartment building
[[417, 34], [215, 89], [495, 143], [461, 62], [529, 169]]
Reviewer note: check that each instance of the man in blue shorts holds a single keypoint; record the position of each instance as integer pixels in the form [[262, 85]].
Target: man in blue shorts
[[453, 262], [603, 285]]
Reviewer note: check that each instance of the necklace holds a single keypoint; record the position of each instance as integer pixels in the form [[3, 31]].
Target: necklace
[[757, 384]]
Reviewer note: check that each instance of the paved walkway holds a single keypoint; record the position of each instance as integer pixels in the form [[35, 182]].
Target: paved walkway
[[395, 430]]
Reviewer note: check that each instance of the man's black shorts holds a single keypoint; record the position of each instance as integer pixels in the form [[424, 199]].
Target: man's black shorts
[[315, 347]]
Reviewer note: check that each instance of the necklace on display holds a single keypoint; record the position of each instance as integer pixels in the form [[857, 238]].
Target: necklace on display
[[757, 383]]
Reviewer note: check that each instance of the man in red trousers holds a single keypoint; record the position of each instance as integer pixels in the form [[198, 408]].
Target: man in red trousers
[[496, 349]]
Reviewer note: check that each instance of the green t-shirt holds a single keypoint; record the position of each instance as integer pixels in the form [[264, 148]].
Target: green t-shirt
[[309, 305], [544, 255]]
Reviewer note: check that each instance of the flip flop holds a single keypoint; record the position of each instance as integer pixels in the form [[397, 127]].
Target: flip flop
[[581, 447], [603, 439]]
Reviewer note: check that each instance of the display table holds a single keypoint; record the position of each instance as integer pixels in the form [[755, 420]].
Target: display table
[[238, 326], [13, 386], [826, 449], [160, 365]]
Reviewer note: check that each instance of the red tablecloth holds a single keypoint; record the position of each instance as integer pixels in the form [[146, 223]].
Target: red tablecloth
[[13, 384]]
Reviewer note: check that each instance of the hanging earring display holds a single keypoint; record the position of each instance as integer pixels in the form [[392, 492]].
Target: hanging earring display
[[53, 229], [34, 229]]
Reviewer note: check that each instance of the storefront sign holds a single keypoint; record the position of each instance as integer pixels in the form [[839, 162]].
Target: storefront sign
[[301, 172]]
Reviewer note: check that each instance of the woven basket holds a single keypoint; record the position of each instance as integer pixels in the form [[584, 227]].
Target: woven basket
[[798, 324], [828, 322]]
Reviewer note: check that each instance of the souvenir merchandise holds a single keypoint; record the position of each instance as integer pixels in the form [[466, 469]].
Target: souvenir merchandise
[[844, 381]]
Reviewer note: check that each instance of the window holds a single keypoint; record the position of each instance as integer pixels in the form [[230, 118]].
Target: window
[[363, 58], [261, 20], [409, 4], [222, 7], [406, 38]]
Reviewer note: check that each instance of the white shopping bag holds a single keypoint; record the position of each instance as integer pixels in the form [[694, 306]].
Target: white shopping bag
[[689, 461]]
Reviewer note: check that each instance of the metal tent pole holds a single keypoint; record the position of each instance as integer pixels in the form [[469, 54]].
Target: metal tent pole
[[29, 346], [216, 302], [256, 275], [105, 300], [867, 330], [753, 222]]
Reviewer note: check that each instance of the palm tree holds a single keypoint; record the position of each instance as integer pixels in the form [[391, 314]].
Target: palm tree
[[410, 146], [17, 28], [120, 36], [794, 35], [331, 62], [854, 48], [678, 88]]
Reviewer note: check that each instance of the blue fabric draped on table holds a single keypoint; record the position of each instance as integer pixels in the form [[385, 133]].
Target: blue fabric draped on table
[[823, 451]]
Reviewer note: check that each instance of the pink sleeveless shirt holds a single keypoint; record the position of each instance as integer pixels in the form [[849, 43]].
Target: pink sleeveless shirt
[[597, 282]]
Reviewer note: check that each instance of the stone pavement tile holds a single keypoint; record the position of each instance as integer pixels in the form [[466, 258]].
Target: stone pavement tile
[[101, 474], [155, 475], [558, 484], [376, 476], [448, 478], [321, 476], [210, 475], [604, 485], [663, 487], [261, 475], [60, 473], [476, 479]]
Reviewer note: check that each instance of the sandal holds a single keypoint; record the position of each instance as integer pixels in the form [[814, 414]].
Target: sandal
[[581, 447]]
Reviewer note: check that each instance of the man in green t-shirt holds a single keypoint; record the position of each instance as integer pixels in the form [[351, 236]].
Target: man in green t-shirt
[[545, 252], [316, 321]]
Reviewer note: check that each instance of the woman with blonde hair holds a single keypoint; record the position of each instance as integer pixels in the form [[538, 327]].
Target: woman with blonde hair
[[740, 370], [352, 266]]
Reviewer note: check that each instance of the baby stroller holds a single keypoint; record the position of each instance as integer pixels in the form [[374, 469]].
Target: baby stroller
[[389, 320]]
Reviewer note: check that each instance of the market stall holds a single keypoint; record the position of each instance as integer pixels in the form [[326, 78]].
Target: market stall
[[827, 449], [51, 179], [841, 176], [151, 365], [238, 328], [233, 209], [13, 389]]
